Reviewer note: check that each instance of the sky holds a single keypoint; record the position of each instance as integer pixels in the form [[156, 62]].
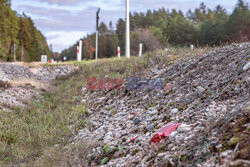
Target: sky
[[63, 22]]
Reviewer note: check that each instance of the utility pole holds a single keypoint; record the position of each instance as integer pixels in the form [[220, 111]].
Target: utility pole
[[97, 29], [127, 30], [51, 49]]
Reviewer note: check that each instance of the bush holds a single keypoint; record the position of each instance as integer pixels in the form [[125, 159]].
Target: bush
[[147, 38]]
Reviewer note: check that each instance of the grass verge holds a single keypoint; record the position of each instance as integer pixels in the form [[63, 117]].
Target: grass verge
[[33, 132]]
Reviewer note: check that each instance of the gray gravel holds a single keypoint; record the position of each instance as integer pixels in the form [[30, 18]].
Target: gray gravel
[[207, 92]]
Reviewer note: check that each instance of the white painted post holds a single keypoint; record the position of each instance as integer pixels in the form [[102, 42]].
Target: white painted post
[[127, 30], [140, 50], [80, 51], [192, 47], [119, 52]]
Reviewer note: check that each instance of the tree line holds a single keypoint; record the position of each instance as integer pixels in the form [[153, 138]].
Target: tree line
[[18, 34], [162, 28]]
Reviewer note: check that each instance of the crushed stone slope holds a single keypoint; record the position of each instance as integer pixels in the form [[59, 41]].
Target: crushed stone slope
[[208, 95]]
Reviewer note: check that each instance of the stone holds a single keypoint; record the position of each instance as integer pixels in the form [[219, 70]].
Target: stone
[[162, 154], [183, 128], [226, 153], [139, 139], [153, 112], [240, 162], [174, 111], [246, 67], [214, 144], [200, 89], [137, 121], [150, 127], [173, 135]]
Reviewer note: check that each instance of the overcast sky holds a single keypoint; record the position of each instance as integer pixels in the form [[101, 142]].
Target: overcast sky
[[63, 22]]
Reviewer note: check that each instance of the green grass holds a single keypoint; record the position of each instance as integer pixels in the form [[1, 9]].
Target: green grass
[[26, 132], [29, 133]]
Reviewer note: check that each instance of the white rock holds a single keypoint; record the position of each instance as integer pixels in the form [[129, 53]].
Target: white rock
[[172, 135], [201, 89], [153, 112], [174, 111], [226, 153], [162, 154], [246, 67], [183, 128]]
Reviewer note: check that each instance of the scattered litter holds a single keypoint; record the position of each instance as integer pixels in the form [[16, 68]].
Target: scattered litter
[[168, 87], [133, 139], [164, 132]]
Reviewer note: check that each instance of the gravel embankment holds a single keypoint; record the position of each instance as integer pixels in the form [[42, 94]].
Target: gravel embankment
[[208, 95]]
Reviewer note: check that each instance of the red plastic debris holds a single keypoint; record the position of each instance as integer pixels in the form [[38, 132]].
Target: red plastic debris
[[133, 139], [50, 61], [167, 88], [164, 132]]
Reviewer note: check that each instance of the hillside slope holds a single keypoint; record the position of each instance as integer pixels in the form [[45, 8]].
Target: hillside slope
[[209, 95]]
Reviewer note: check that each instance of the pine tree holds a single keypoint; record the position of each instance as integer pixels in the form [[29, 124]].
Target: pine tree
[[239, 23], [8, 30]]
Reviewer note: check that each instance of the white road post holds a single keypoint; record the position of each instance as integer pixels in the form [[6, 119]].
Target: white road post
[[119, 52], [140, 50], [78, 53], [192, 47], [127, 30]]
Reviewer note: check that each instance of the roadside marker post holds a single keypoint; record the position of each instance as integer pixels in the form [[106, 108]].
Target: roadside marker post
[[77, 52], [119, 52], [140, 50], [79, 58], [192, 47]]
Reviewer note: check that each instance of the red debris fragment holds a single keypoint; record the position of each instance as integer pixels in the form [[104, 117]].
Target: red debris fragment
[[50, 61], [164, 132], [133, 139], [167, 88]]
